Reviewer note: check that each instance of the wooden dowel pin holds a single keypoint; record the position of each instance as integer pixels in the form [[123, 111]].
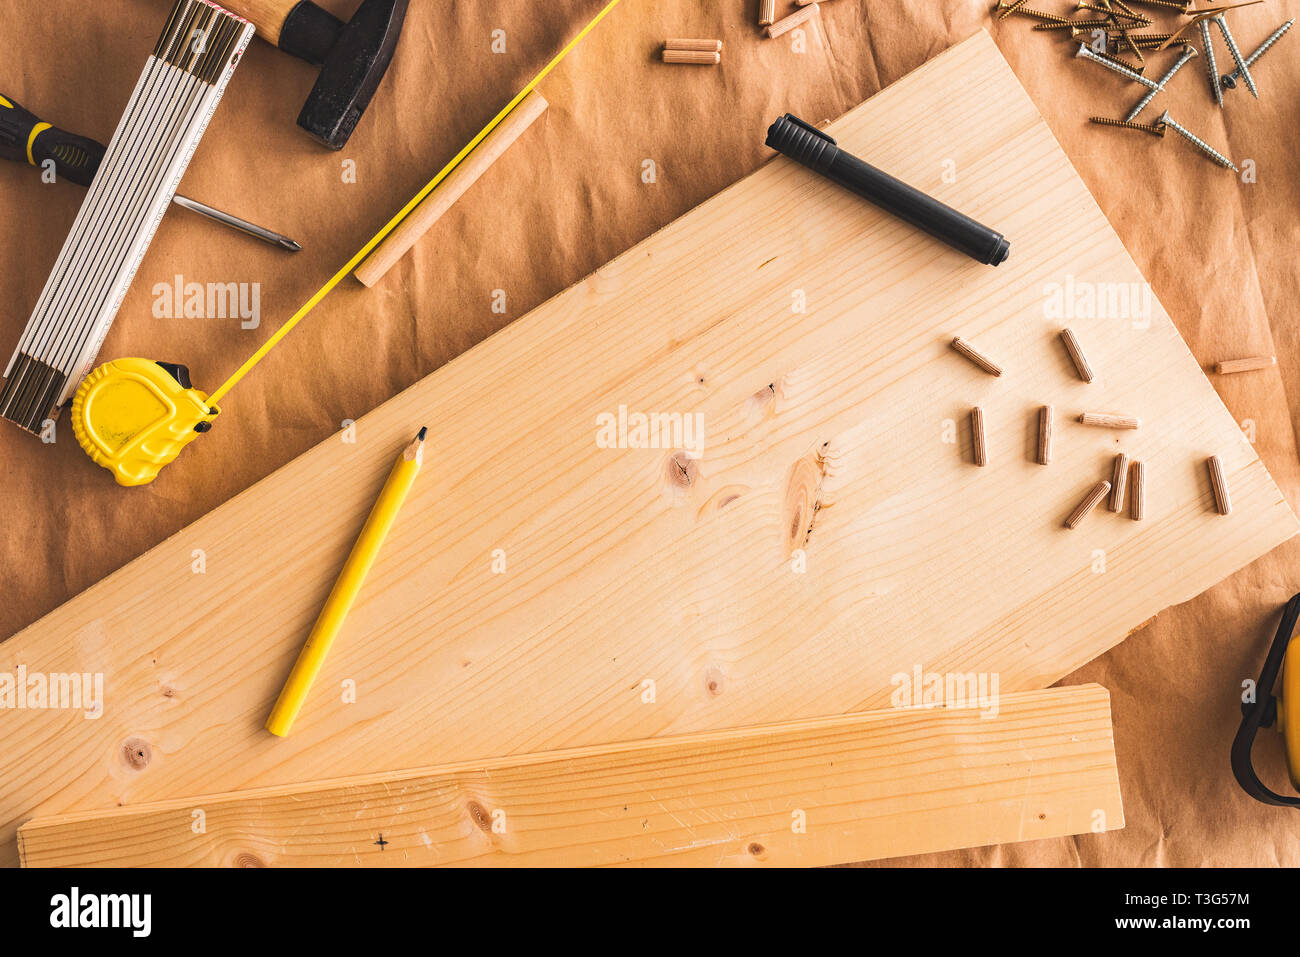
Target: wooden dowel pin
[[766, 12], [979, 442], [1076, 354], [702, 46], [1137, 493], [400, 241], [696, 57], [1219, 485], [1229, 366], [793, 20], [1098, 492], [1045, 435], [974, 355], [1118, 483], [1109, 420]]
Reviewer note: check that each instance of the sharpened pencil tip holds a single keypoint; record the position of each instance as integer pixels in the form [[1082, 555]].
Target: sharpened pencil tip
[[423, 431]]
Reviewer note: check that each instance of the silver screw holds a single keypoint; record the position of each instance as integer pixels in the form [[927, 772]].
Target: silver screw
[[1196, 141], [1210, 68], [1230, 81], [1087, 54], [1242, 66], [1189, 51]]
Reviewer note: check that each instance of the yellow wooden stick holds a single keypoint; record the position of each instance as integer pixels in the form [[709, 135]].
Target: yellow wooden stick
[[405, 211], [346, 588]]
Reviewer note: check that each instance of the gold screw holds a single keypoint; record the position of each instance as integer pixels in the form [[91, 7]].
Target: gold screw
[[1133, 46], [1040, 15], [1155, 129], [1008, 8], [1082, 26], [1143, 41], [1137, 18], [1130, 12]]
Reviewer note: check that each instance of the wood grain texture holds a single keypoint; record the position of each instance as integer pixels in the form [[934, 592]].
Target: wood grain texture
[[786, 24], [692, 57], [1252, 364], [691, 43], [824, 444], [1137, 493], [821, 791], [267, 16]]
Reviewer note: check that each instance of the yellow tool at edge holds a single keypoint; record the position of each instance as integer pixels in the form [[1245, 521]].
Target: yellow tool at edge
[[1261, 708], [346, 588], [133, 416]]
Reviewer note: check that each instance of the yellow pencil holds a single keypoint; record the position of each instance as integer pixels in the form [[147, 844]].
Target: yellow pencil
[[346, 588]]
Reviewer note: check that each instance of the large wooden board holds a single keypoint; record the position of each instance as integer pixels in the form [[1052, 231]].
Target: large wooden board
[[819, 791], [825, 432]]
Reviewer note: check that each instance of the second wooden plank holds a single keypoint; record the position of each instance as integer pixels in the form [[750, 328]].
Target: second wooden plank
[[819, 791]]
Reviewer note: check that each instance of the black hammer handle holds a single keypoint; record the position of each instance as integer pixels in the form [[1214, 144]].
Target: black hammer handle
[[811, 147]]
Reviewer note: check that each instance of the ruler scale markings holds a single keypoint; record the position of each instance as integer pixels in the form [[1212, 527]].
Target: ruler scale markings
[[68, 307], [173, 52], [208, 107], [31, 383], [56, 310], [124, 199], [131, 139], [52, 290], [135, 104], [195, 58], [134, 243], [209, 104], [214, 55], [170, 109], [88, 355], [167, 30], [173, 89], [203, 18], [114, 241]]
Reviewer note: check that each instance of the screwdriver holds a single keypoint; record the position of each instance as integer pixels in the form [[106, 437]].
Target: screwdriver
[[26, 139]]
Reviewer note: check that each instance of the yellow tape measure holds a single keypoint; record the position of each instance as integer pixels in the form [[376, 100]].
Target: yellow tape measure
[[133, 416]]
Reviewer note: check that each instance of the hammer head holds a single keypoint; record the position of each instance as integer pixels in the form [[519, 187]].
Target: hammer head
[[352, 70]]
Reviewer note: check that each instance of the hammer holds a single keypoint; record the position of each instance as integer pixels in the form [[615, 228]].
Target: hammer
[[353, 56]]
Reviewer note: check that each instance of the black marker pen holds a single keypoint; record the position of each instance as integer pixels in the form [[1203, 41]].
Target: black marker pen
[[811, 147]]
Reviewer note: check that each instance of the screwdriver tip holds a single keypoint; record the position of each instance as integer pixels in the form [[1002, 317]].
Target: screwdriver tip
[[289, 244]]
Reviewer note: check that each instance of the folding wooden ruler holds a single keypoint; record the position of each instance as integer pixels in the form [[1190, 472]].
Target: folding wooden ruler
[[169, 111]]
